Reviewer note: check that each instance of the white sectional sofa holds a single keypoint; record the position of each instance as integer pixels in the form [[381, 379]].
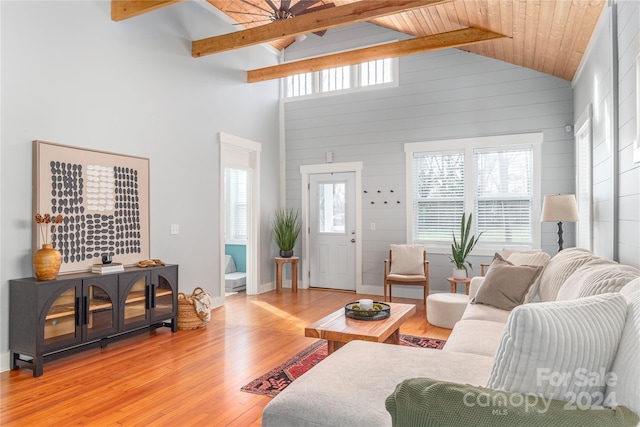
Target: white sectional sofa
[[587, 320]]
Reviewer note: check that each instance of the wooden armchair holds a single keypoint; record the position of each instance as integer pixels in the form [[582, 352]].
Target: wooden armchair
[[408, 266]]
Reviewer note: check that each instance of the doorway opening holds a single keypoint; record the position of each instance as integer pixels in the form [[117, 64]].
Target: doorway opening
[[331, 193], [239, 214], [235, 248]]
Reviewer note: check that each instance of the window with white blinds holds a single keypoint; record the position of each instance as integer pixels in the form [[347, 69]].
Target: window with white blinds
[[438, 188], [495, 178], [381, 72], [503, 193], [236, 206], [583, 186]]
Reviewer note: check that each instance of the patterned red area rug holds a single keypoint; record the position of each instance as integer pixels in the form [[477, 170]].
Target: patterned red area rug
[[276, 380]]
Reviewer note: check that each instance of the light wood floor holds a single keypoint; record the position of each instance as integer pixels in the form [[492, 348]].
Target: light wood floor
[[181, 379]]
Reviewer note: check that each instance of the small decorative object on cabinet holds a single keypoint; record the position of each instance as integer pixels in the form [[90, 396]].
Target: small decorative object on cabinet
[[47, 260], [83, 310]]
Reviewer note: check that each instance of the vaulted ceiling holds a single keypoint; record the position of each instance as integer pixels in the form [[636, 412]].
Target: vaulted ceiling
[[550, 36]]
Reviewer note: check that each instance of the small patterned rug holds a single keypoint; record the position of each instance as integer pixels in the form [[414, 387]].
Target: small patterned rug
[[276, 380]]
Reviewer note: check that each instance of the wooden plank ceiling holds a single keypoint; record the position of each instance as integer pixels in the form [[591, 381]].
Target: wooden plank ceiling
[[550, 36], [545, 35]]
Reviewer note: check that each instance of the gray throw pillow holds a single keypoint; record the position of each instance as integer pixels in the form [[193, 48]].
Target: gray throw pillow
[[506, 285]]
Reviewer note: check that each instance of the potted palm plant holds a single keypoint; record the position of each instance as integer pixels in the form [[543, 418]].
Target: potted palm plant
[[460, 250], [286, 228]]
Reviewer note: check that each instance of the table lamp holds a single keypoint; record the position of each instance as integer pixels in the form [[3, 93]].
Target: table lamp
[[559, 208]]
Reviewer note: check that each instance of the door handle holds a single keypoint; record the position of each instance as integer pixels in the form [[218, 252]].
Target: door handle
[[353, 240]]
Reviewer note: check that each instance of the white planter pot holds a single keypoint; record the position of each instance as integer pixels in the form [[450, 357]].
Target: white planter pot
[[459, 273]]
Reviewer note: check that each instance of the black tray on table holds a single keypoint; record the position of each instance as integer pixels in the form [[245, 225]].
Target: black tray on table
[[367, 314]]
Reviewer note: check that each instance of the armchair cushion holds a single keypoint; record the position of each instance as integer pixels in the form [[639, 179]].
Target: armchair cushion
[[428, 402], [407, 260], [506, 285]]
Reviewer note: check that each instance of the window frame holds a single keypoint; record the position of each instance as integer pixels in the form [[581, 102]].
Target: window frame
[[355, 83], [584, 178], [468, 145]]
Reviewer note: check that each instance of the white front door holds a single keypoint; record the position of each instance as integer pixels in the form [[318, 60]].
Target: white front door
[[332, 231]]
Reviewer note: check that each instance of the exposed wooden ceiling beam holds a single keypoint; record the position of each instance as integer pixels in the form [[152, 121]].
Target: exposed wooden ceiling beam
[[124, 9], [390, 50], [308, 23]]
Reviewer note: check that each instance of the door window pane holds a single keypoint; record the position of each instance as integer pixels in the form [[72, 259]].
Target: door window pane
[[331, 200]]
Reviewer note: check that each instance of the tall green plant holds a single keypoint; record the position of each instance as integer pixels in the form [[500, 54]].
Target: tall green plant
[[286, 228], [460, 250]]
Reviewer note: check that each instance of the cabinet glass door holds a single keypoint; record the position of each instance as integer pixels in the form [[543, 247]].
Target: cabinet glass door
[[163, 298], [60, 321], [100, 318], [135, 306]]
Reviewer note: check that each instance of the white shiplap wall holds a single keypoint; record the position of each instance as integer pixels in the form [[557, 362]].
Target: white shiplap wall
[[442, 95], [594, 85]]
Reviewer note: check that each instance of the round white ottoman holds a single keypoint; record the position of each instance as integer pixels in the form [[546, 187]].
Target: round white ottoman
[[444, 310]]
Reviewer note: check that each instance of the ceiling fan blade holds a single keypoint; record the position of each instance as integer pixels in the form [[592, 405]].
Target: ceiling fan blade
[[302, 5], [320, 33], [256, 6], [272, 5], [315, 9], [285, 4]]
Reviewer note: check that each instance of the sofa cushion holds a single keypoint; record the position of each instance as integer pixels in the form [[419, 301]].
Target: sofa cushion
[[530, 258], [506, 285], [485, 312], [407, 259], [229, 265], [547, 348], [349, 387], [475, 337], [625, 390], [596, 277], [559, 268], [428, 402]]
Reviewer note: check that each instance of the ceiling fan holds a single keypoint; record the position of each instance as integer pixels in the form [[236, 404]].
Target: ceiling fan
[[284, 11]]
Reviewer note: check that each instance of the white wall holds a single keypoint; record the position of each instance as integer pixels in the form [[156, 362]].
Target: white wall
[[442, 95], [594, 84], [73, 76]]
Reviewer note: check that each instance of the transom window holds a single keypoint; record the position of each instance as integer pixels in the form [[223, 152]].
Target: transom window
[[495, 178], [351, 77]]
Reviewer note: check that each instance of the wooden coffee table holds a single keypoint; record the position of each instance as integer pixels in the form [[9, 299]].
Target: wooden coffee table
[[338, 329]]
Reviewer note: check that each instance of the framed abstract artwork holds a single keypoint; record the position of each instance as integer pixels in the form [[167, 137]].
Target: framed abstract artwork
[[103, 199]]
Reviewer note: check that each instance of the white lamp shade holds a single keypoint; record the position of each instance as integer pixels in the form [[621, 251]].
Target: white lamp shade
[[559, 208]]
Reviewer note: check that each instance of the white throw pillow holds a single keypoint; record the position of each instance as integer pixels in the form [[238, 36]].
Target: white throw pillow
[[596, 277], [530, 258], [407, 259], [559, 268], [625, 389], [229, 265], [552, 349]]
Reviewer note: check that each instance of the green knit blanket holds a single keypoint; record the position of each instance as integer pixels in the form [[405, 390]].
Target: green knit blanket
[[426, 402]]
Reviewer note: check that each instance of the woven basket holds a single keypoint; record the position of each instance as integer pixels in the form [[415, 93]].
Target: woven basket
[[187, 315]]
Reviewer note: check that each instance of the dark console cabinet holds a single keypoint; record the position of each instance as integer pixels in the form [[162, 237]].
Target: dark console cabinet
[[49, 318]]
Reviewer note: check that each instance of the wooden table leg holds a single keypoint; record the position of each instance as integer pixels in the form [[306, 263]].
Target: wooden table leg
[[394, 338], [294, 276], [453, 287], [278, 276], [333, 346]]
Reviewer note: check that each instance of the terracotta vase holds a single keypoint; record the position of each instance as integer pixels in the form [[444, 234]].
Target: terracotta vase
[[46, 262]]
